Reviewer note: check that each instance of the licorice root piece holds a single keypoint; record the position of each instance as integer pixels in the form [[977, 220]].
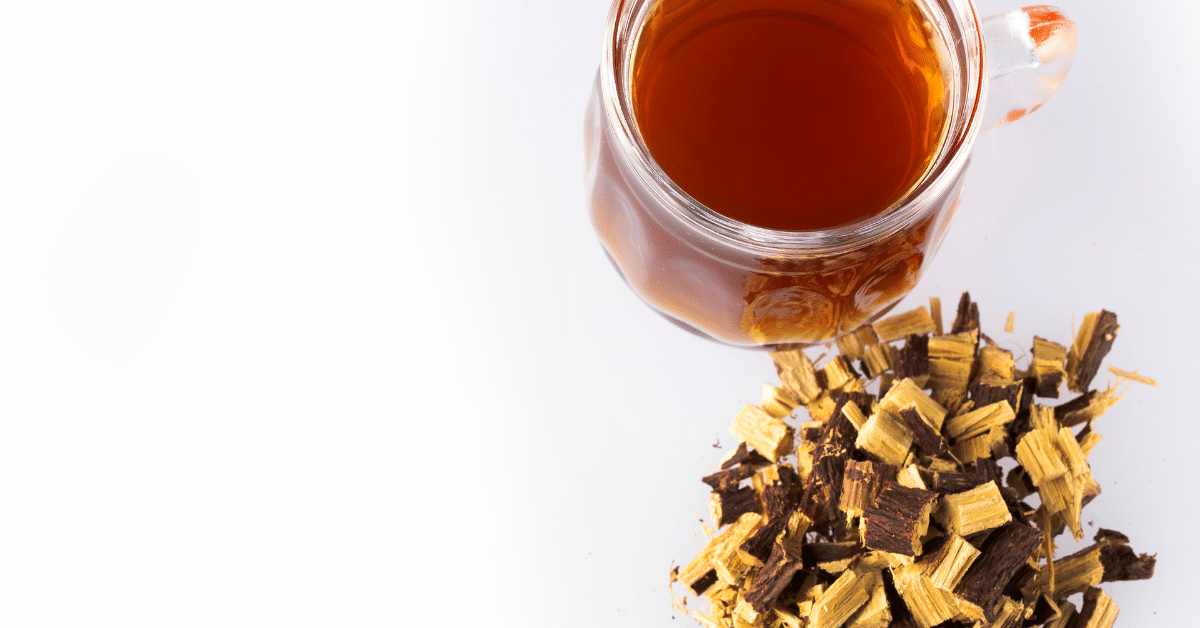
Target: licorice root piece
[[898, 519]]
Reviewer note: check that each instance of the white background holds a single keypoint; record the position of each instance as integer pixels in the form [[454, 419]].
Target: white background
[[302, 322]]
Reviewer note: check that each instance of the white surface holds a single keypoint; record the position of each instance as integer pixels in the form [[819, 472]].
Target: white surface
[[302, 323]]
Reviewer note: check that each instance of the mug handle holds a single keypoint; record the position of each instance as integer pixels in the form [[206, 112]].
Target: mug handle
[[1029, 53]]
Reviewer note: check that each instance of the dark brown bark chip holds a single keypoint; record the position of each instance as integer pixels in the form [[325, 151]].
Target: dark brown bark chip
[[794, 592], [929, 441], [1018, 480], [782, 498], [862, 399], [817, 553], [1027, 388], [1049, 385], [728, 479], [946, 482], [985, 393], [1043, 611], [1024, 574], [1074, 405], [759, 545], [913, 359], [703, 582], [771, 581], [837, 439], [1103, 335], [832, 471], [832, 451], [892, 522], [901, 616], [990, 469], [1104, 535], [864, 479], [743, 455], [967, 317], [1090, 599], [735, 503], [1122, 563], [812, 502], [1001, 555]]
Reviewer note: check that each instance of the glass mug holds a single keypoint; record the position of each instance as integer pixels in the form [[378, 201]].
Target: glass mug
[[754, 286]]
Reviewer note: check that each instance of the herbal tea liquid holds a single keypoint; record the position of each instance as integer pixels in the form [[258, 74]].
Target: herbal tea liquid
[[789, 114]]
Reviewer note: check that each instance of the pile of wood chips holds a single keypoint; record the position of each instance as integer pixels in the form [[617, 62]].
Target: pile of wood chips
[[896, 509]]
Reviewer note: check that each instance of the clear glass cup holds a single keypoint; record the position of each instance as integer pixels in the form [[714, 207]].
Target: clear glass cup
[[744, 285]]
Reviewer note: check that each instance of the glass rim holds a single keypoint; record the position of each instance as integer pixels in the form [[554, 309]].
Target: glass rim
[[956, 25]]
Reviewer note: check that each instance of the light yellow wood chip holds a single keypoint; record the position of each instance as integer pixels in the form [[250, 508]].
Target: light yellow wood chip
[[947, 566], [837, 372], [979, 421], [729, 566], [902, 325], [959, 346], [1067, 613], [746, 613], [906, 394], [928, 604], [972, 449], [854, 415], [886, 437], [981, 508], [853, 345], [845, 596], [1042, 418], [1098, 405], [910, 477], [786, 619], [949, 375], [768, 435], [1009, 612], [1088, 442], [821, 408], [797, 374], [878, 358], [1104, 614], [1073, 574], [776, 402], [995, 362], [875, 613], [1049, 352], [1037, 452], [1070, 452]]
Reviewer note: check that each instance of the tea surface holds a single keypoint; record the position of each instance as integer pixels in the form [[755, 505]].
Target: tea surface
[[790, 114]]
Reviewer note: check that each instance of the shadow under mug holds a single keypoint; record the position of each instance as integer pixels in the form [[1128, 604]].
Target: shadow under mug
[[744, 285]]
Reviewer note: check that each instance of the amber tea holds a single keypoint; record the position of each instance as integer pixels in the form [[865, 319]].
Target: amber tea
[[790, 114]]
